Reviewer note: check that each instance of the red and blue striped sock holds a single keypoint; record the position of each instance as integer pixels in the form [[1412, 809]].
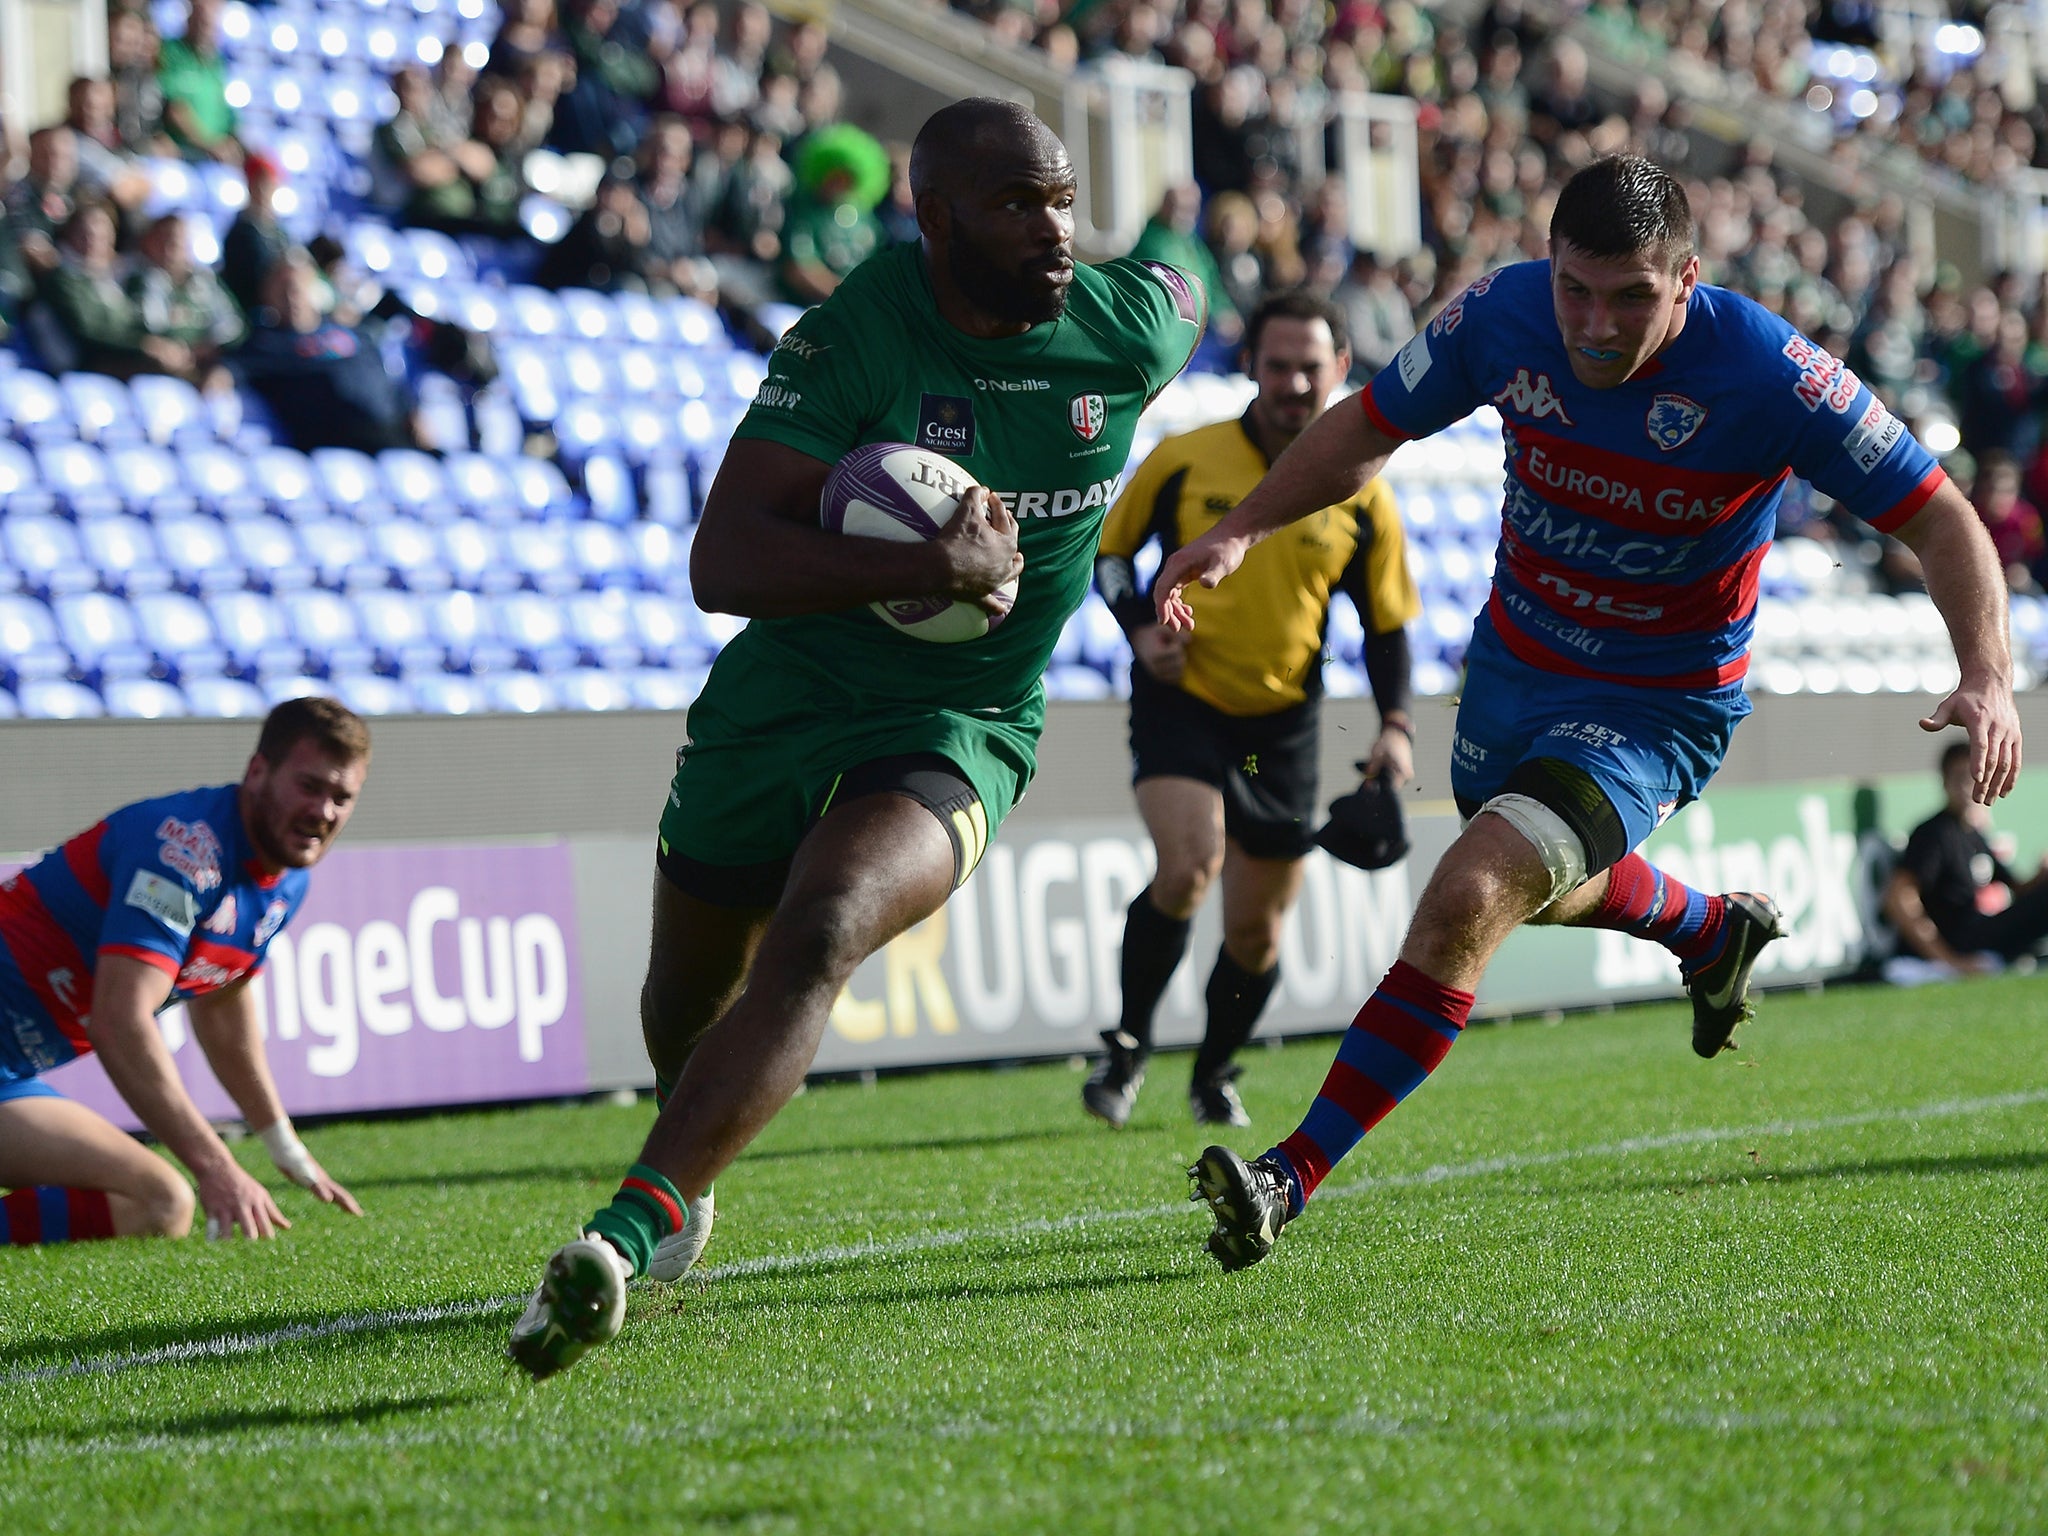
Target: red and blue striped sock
[[646, 1209], [1401, 1034], [49, 1213], [1644, 901]]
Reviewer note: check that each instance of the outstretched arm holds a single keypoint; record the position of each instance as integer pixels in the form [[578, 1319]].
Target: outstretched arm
[[226, 1027], [760, 553], [126, 994], [1964, 579], [1327, 464]]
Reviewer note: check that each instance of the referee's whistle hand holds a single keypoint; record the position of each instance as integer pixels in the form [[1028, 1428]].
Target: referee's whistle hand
[[1161, 651]]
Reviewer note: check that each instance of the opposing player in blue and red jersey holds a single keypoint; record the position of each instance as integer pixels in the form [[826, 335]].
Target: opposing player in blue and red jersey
[[168, 900], [1651, 424]]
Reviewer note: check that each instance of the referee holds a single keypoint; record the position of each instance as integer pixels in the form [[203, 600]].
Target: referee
[[1224, 720]]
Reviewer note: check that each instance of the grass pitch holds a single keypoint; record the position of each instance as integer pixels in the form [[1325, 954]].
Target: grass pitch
[[1582, 1282]]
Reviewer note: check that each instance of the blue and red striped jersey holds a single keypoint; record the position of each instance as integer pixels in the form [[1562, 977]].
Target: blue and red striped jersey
[[172, 882], [1635, 519]]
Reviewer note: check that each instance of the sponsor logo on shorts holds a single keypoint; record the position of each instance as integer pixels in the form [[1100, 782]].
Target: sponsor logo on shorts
[[945, 424], [1589, 732], [165, 900], [1087, 415], [1672, 421]]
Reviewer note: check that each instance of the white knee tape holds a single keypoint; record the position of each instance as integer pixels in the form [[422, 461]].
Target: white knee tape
[[1563, 854]]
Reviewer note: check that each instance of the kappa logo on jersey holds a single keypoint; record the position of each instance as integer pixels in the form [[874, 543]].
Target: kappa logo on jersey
[[224, 915], [1874, 436], [273, 919], [193, 851], [945, 424], [1673, 420], [1088, 415], [1533, 396]]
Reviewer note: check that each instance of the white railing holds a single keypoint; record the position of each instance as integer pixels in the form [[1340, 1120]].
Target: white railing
[[1129, 127]]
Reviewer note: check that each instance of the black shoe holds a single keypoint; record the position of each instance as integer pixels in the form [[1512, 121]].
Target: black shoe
[[1111, 1092], [1214, 1101], [1720, 991], [1248, 1200]]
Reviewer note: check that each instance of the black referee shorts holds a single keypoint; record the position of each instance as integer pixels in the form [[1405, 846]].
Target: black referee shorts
[[1264, 765]]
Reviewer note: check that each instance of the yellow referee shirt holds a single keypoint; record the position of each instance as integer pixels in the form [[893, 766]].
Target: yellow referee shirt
[[1258, 639]]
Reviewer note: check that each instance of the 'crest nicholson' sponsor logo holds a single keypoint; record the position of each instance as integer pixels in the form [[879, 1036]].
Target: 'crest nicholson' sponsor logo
[[1533, 397]]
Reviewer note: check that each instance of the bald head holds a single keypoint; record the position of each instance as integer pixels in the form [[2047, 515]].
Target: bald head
[[962, 145]]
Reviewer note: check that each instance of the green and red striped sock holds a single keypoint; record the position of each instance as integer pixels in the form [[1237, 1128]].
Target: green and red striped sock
[[646, 1209]]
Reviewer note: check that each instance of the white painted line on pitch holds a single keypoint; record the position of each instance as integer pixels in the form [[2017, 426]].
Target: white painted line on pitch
[[225, 1346]]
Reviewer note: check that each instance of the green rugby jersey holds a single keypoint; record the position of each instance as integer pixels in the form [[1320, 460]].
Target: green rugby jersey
[[1044, 420]]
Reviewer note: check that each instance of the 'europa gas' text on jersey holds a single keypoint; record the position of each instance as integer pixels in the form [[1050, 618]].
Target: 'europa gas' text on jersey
[[1043, 419], [1635, 519]]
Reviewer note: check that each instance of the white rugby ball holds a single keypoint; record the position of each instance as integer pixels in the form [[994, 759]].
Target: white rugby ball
[[900, 492]]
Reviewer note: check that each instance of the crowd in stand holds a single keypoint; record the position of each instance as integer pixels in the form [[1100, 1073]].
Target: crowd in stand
[[724, 173]]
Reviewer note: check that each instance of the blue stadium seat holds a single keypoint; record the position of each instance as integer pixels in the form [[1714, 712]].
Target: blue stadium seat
[[531, 622], [57, 698], [590, 315], [29, 645], [520, 693], [661, 554], [538, 488], [534, 312], [608, 485], [603, 556], [46, 550], [396, 624], [583, 369], [460, 620], [741, 376], [642, 374], [696, 325], [174, 187], [78, 473], [224, 698], [143, 698], [662, 689], [9, 709], [438, 258], [686, 378], [414, 483], [249, 624], [18, 472], [271, 552], [334, 544], [350, 481], [101, 408], [325, 624], [672, 491], [442, 416], [541, 552], [644, 320], [219, 477], [280, 686], [180, 631], [601, 623], [284, 477], [535, 385], [383, 253], [593, 689], [165, 407], [368, 693], [124, 550], [33, 408], [150, 479], [198, 553], [474, 553], [664, 627], [447, 694], [408, 547], [482, 487]]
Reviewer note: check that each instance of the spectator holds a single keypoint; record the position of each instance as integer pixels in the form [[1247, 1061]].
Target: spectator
[[1953, 900], [2014, 524], [736, 85], [194, 82], [98, 326], [841, 174], [256, 243], [106, 169], [1169, 236], [42, 202], [2000, 395], [1377, 313], [606, 248], [674, 260], [132, 47], [745, 234], [418, 167], [182, 302], [604, 111], [1234, 238], [472, 187], [528, 31], [324, 381], [690, 73]]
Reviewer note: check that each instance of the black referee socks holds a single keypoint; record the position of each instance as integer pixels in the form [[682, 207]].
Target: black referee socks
[[1236, 998], [1153, 946]]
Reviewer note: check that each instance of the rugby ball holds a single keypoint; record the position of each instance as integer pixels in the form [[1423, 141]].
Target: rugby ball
[[895, 491]]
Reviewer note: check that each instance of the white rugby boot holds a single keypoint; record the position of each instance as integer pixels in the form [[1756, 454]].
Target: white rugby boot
[[580, 1303], [675, 1254]]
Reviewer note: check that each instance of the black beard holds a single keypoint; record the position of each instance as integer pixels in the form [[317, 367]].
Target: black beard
[[995, 292]]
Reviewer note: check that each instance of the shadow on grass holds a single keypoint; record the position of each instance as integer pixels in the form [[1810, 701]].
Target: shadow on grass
[[229, 1421], [785, 1295], [88, 1348], [925, 1143]]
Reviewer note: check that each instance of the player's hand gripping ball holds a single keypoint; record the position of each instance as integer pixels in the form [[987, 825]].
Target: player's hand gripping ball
[[895, 491]]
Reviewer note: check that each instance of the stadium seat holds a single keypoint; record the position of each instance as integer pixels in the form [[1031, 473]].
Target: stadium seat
[[9, 709], [125, 553], [592, 689], [590, 315], [641, 373], [663, 689], [351, 482], [368, 693], [409, 549], [284, 477], [143, 698], [474, 554], [1075, 682], [33, 408], [603, 557], [58, 698], [248, 623], [534, 312], [672, 491], [18, 472], [150, 479], [166, 407], [583, 370], [601, 624], [29, 644], [608, 486], [101, 409], [396, 624], [520, 693], [180, 631], [79, 475], [198, 552], [531, 622], [482, 487], [224, 698], [539, 489], [46, 550], [542, 554], [461, 621], [448, 694]]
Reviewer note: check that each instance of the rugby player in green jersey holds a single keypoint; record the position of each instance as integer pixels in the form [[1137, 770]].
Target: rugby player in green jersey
[[842, 778]]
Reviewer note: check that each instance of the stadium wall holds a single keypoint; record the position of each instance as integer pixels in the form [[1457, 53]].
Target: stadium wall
[[481, 933]]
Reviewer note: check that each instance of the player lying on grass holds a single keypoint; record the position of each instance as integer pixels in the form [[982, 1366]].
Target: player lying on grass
[[1651, 423], [841, 778], [167, 900]]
